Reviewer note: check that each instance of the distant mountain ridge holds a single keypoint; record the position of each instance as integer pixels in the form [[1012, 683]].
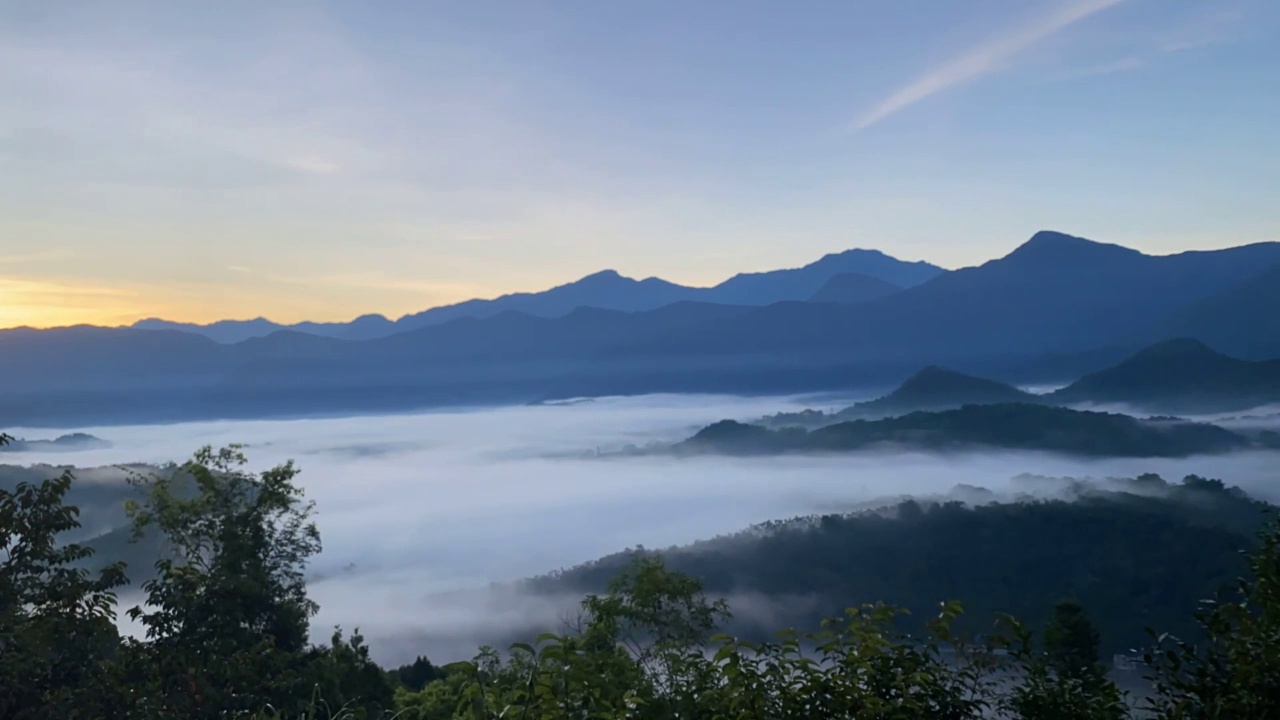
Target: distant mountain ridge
[[63, 443], [1053, 310], [606, 290], [853, 288], [1235, 320], [1054, 294], [1175, 376], [931, 389], [1181, 375], [1013, 426]]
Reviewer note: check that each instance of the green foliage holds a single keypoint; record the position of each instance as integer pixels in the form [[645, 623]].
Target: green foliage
[[643, 651], [57, 627], [1141, 555], [1064, 681], [416, 674], [1235, 671], [226, 617], [1071, 640]]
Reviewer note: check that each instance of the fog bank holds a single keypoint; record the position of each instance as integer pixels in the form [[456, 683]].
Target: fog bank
[[412, 508]]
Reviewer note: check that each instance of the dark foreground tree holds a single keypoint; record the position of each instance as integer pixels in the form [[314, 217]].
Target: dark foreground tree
[[1235, 672], [1071, 641], [1065, 680], [227, 615], [57, 628]]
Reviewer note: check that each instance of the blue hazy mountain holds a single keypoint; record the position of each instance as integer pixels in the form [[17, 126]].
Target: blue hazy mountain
[[63, 443], [1054, 297], [1182, 375], [1011, 426], [853, 288], [766, 288], [606, 290], [1243, 320], [931, 389], [1054, 294]]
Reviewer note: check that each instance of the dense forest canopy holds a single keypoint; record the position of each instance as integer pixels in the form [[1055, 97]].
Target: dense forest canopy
[[1141, 553]]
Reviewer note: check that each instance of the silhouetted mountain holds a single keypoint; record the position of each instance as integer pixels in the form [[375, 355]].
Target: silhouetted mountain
[[1054, 294], [364, 327], [223, 331], [1008, 426], [83, 357], [853, 288], [933, 388], [62, 443], [1241, 320], [802, 283], [229, 332], [606, 290], [1179, 376]]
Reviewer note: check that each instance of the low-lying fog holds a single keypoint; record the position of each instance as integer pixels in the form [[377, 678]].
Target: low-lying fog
[[413, 505]]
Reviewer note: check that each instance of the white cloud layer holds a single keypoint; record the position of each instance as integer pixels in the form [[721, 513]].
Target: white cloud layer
[[414, 506]]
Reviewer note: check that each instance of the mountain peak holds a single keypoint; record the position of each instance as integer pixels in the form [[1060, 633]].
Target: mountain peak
[[853, 288], [934, 385], [1050, 246], [604, 276], [1181, 348]]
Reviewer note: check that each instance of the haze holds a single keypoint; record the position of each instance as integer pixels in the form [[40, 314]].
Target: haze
[[412, 506]]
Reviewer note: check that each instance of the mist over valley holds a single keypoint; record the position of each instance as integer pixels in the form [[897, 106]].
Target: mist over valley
[[420, 514]]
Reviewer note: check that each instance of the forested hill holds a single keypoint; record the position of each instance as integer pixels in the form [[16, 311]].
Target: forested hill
[[933, 388], [1140, 554], [1008, 426]]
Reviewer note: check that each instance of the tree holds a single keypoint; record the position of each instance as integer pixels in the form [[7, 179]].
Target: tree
[[417, 674], [227, 615], [1235, 672], [56, 621], [1072, 641], [1066, 681]]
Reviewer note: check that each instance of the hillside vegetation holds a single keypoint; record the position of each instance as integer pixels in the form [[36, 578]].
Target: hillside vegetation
[[1006, 426]]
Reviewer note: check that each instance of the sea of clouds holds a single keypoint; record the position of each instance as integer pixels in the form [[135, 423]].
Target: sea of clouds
[[418, 511]]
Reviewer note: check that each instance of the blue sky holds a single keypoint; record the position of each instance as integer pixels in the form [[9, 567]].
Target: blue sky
[[320, 160]]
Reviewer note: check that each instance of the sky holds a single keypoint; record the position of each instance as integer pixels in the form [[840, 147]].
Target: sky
[[321, 160]]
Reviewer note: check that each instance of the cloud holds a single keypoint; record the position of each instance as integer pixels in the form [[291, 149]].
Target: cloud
[[987, 58], [313, 165], [420, 512], [1208, 30], [1124, 64]]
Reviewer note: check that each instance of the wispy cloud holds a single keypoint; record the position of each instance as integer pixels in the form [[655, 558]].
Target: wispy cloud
[[1203, 30], [984, 59], [1213, 29], [41, 256], [1124, 64]]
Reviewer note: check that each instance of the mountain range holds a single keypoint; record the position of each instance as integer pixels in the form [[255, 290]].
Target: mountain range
[[1055, 308], [859, 274], [1174, 376]]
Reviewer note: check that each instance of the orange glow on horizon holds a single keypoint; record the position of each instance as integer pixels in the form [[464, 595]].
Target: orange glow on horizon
[[45, 303]]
